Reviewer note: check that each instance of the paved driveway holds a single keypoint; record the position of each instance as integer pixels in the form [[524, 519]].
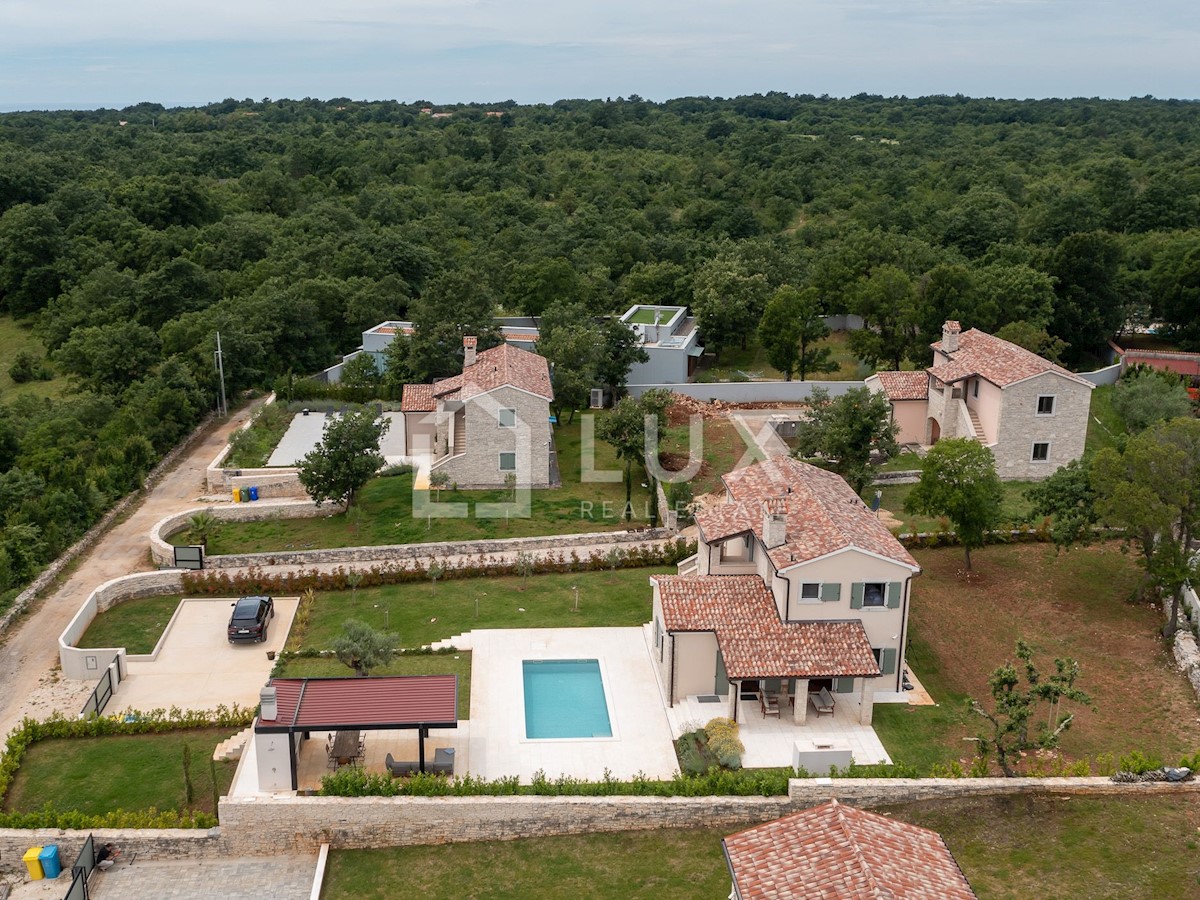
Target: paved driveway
[[246, 878], [198, 668]]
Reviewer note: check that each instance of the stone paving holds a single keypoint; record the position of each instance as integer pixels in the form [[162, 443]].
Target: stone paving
[[245, 878]]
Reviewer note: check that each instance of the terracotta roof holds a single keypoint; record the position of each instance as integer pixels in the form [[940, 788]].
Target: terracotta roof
[[904, 385], [987, 356], [824, 515], [754, 642], [379, 702], [417, 398], [836, 851], [497, 367]]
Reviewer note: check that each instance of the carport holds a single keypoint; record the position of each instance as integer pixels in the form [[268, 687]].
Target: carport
[[292, 708]]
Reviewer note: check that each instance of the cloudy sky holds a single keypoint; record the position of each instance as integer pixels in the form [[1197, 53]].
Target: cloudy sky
[[85, 54]]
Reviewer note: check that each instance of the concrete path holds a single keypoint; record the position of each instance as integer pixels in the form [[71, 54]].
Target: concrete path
[[29, 654], [245, 878]]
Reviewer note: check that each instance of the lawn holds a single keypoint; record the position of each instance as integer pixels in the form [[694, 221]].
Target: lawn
[[751, 362], [1015, 509], [129, 772], [135, 625], [1052, 847], [1045, 847], [14, 337], [415, 664], [906, 461], [422, 613], [1072, 604], [662, 863], [1105, 427], [384, 512], [648, 316]]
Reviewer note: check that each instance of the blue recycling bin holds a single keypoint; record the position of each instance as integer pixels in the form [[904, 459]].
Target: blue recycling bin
[[253, 493], [49, 860]]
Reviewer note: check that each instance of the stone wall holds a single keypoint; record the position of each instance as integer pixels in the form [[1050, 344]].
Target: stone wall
[[145, 843], [163, 553], [1020, 426], [752, 391]]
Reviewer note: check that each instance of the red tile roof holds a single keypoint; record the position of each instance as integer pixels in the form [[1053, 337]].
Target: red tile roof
[[1000, 362], [904, 385], [824, 515], [418, 398], [754, 642], [498, 367], [379, 702], [836, 851]]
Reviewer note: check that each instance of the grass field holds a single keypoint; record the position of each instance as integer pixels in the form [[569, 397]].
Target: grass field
[[1044, 847], [129, 772], [1014, 509], [14, 337], [1105, 427], [752, 362], [417, 664], [135, 625], [1072, 604], [384, 512]]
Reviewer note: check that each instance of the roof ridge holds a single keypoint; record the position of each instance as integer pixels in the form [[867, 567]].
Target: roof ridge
[[872, 883]]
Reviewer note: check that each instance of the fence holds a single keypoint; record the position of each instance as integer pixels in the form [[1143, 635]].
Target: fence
[[105, 688], [79, 887], [85, 862]]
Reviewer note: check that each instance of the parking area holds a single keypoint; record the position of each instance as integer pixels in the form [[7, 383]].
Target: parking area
[[197, 667]]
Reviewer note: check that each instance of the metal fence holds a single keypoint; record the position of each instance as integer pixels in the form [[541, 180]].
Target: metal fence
[[79, 887], [105, 688], [82, 870]]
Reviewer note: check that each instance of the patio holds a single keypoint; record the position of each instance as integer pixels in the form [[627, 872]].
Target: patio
[[313, 764]]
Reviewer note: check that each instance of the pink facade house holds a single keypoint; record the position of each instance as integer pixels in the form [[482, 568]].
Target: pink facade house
[[1031, 413]]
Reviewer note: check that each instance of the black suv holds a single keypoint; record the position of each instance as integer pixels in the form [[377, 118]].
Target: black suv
[[249, 619]]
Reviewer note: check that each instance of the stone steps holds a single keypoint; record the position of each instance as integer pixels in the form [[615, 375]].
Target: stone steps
[[232, 748], [458, 642], [977, 425]]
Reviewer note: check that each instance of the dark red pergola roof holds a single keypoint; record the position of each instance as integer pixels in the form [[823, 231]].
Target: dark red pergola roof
[[389, 701]]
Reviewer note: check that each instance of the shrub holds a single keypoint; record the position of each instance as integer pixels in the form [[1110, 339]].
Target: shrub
[[723, 742], [1138, 763], [28, 367]]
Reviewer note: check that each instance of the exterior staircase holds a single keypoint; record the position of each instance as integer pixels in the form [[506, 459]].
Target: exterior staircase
[[977, 426], [458, 642], [232, 748]]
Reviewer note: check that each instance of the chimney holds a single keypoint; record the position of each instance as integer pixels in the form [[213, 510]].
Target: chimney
[[774, 529], [469, 351], [950, 332], [269, 708]]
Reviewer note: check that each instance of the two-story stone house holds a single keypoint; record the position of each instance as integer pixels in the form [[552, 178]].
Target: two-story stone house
[[1031, 413], [491, 421], [796, 586]]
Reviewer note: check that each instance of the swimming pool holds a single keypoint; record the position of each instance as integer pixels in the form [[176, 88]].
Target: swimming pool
[[564, 698]]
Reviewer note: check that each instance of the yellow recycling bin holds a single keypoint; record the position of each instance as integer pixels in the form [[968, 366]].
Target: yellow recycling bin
[[237, 496], [33, 864]]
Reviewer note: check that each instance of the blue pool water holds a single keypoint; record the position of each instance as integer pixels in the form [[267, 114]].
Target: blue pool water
[[564, 698]]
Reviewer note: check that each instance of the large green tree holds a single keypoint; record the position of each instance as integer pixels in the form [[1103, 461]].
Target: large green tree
[[790, 328], [347, 457], [624, 427], [842, 432], [959, 481]]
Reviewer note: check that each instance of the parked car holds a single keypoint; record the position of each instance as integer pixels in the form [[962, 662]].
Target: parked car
[[249, 619]]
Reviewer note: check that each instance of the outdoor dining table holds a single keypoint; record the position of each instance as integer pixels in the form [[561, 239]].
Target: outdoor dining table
[[345, 747]]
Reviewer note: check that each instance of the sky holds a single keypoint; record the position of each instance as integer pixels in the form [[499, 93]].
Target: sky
[[84, 54]]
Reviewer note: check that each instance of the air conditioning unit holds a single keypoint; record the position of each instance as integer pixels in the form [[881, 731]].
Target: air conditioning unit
[[597, 401]]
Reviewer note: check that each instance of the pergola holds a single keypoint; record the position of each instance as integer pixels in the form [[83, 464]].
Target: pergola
[[389, 702]]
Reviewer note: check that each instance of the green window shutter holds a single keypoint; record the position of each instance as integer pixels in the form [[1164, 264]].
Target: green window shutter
[[831, 592], [843, 685], [895, 590], [856, 595], [887, 664]]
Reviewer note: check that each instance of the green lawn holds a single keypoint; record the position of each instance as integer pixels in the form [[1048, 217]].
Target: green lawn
[[1008, 847], [135, 625], [1105, 427], [903, 462], [384, 512], [422, 613], [417, 664], [14, 337], [656, 864], [129, 772], [647, 316], [1015, 508], [752, 362]]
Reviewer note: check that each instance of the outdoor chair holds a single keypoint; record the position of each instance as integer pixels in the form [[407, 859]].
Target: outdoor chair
[[400, 769], [443, 761], [769, 704]]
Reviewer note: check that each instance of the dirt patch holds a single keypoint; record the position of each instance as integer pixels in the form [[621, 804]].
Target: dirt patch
[[1066, 605]]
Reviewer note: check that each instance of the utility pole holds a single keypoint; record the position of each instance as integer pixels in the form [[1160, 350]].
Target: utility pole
[[222, 409]]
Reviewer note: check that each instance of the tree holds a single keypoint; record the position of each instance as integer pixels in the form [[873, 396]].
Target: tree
[[359, 373], [843, 431], [1146, 396], [886, 300], [346, 458], [620, 349], [439, 480], [625, 429], [362, 647], [202, 526], [1069, 500], [1034, 339], [1014, 704], [729, 299], [790, 326], [571, 345], [959, 481]]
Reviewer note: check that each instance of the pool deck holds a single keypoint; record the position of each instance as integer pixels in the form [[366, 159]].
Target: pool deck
[[641, 740]]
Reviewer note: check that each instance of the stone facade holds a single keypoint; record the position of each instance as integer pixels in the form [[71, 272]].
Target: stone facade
[[1020, 426], [472, 458]]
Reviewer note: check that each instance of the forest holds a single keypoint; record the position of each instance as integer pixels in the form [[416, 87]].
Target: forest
[[129, 238]]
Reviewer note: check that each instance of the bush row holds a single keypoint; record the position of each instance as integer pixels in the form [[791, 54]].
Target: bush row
[[1023, 534], [255, 580]]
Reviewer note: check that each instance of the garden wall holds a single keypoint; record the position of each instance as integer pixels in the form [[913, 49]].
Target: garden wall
[[163, 552], [752, 391], [86, 664], [145, 843]]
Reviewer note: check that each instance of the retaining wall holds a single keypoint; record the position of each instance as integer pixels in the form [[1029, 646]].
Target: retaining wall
[[145, 843], [163, 552]]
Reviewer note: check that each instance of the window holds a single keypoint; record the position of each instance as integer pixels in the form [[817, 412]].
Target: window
[[1046, 405], [508, 462], [885, 657], [874, 594], [1041, 452], [507, 418], [975, 388], [810, 592]]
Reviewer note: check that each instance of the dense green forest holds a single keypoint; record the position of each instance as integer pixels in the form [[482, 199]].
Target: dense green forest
[[128, 238]]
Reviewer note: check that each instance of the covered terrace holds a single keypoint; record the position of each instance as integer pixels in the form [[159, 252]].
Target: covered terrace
[[296, 710]]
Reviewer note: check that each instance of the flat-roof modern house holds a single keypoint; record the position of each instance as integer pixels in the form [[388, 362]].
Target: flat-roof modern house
[[1031, 413], [491, 421], [838, 851], [796, 601]]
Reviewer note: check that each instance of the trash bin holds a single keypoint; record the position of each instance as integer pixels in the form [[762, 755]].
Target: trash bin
[[245, 495], [237, 496], [49, 860], [33, 864], [254, 493]]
